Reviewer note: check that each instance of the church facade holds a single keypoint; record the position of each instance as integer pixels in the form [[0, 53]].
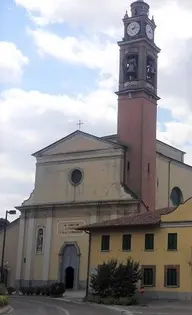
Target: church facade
[[83, 179]]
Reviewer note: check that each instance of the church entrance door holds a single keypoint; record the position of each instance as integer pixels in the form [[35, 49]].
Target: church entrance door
[[69, 278], [69, 265]]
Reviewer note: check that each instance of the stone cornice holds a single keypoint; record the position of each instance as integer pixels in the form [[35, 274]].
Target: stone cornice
[[85, 156], [176, 224], [74, 205]]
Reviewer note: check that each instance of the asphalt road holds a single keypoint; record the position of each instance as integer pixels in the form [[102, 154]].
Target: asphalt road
[[47, 306]]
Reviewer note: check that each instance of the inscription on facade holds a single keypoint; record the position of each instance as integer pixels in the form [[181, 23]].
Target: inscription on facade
[[69, 228]]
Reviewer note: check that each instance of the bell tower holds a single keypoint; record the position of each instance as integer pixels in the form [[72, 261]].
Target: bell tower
[[137, 101]]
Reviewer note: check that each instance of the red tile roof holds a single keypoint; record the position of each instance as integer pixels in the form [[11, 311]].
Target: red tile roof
[[132, 220]]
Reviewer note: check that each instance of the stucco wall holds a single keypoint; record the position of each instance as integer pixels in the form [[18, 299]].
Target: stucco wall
[[10, 249], [170, 175], [77, 215], [101, 181], [34, 266]]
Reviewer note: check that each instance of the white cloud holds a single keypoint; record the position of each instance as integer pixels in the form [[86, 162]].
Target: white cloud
[[97, 107], [12, 62], [17, 103], [97, 14], [8, 201], [9, 172], [177, 133], [95, 53], [90, 53], [178, 106]]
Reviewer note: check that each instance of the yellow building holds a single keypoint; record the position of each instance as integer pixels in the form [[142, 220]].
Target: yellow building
[[160, 241]]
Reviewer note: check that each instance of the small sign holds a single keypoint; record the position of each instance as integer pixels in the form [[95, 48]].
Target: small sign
[[69, 228]]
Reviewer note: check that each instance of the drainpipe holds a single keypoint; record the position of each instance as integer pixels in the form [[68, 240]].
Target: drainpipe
[[169, 180], [88, 264]]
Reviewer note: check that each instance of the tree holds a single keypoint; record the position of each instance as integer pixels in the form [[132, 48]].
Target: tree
[[102, 282], [126, 279], [3, 222], [117, 281]]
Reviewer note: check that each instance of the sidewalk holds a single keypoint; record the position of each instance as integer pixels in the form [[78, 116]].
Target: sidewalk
[[146, 307], [160, 307], [74, 295]]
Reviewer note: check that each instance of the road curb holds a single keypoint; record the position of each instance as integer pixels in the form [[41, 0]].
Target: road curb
[[6, 310]]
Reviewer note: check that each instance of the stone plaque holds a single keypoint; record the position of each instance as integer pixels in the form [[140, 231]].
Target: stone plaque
[[69, 228]]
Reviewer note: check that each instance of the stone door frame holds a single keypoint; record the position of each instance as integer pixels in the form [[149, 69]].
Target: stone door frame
[[76, 271]]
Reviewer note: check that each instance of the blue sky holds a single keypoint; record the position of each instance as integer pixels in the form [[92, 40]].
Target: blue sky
[[59, 64]]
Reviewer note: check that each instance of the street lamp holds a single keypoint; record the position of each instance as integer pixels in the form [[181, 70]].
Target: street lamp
[[11, 212]]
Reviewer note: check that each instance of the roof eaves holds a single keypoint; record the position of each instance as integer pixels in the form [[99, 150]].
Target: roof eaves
[[130, 226]]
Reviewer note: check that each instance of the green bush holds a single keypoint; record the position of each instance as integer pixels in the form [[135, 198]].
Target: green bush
[[37, 290], [2, 289], [117, 281], [3, 300], [55, 290], [10, 290], [45, 290], [126, 278], [102, 283]]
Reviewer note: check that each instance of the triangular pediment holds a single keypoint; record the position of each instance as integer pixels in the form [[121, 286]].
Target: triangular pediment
[[78, 141]]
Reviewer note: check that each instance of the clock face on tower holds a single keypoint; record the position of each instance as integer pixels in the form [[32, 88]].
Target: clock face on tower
[[133, 28], [149, 31]]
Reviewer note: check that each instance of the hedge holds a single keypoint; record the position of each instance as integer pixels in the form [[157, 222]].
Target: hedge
[[56, 290]]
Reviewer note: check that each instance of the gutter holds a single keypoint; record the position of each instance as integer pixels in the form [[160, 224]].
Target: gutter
[[169, 180]]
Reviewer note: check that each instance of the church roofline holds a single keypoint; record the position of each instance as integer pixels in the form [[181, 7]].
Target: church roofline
[[174, 160], [114, 136], [103, 138], [170, 146], [39, 152]]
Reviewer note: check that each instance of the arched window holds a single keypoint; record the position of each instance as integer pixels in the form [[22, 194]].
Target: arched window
[[40, 240], [176, 196]]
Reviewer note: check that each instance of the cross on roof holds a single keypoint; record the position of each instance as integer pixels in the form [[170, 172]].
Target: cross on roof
[[79, 124]]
